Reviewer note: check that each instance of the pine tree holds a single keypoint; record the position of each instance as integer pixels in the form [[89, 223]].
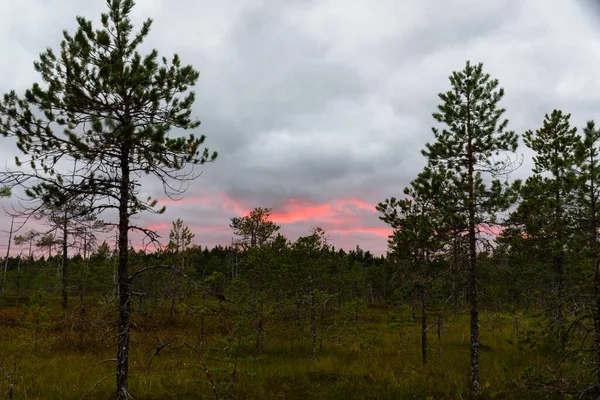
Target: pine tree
[[66, 219], [527, 242], [180, 239], [474, 134], [254, 228], [10, 234], [555, 144], [588, 199], [256, 231], [418, 233], [111, 109]]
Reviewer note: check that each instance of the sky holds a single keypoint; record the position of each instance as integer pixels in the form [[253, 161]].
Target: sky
[[319, 108]]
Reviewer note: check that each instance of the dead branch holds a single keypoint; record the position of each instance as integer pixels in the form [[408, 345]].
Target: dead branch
[[97, 383], [184, 343], [105, 361], [10, 375], [161, 346], [212, 382]]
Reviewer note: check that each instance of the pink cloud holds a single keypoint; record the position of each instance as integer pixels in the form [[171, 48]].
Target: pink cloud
[[159, 226], [344, 220], [352, 218], [230, 204], [335, 212], [215, 228], [352, 221], [295, 210], [384, 232], [356, 203], [491, 229]]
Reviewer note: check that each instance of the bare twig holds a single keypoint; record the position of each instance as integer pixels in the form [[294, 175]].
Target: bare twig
[[212, 382], [184, 343], [105, 361], [97, 383], [10, 375], [161, 346]]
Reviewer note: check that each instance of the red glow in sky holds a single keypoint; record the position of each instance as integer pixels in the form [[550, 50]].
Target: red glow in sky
[[350, 218]]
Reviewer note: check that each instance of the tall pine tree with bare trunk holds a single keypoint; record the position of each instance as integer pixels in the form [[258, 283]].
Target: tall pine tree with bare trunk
[[588, 199], [111, 109], [472, 137]]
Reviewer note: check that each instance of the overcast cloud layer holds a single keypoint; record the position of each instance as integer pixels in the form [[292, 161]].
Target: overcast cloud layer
[[319, 109]]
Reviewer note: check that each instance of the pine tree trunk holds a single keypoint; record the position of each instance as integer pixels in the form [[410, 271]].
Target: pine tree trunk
[[202, 329], [313, 323], [18, 283], [12, 220], [560, 272], [81, 311], [123, 284], [82, 286], [456, 296], [597, 313], [174, 288], [474, 315], [65, 266], [414, 310], [423, 329], [595, 263], [474, 339], [298, 322], [439, 335], [322, 325], [260, 322], [423, 314], [259, 329]]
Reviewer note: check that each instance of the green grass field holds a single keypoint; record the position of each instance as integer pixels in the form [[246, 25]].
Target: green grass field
[[51, 357]]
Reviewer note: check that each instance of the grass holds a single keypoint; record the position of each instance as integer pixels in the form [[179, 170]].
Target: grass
[[379, 362]]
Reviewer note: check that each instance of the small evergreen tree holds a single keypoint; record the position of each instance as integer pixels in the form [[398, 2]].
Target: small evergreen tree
[[180, 239], [256, 234], [418, 234], [550, 193], [474, 134], [254, 228], [555, 144]]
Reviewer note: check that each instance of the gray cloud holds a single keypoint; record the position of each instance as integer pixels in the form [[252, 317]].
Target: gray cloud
[[331, 100]]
